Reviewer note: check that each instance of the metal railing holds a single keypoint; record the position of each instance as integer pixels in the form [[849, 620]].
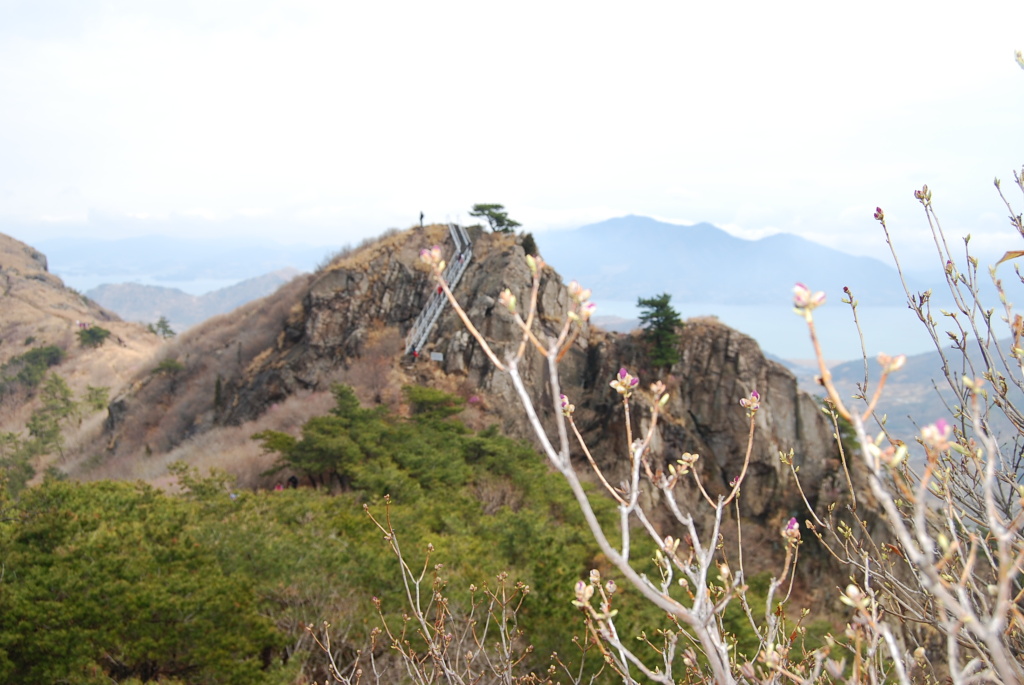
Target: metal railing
[[452, 273]]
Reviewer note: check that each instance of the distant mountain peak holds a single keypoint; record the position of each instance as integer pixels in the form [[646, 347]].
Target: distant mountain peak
[[147, 303], [635, 256]]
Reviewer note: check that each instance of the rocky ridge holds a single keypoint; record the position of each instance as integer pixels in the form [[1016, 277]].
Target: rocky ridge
[[323, 326]]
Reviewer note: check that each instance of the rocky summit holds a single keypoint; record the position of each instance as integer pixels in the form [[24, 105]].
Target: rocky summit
[[327, 326]]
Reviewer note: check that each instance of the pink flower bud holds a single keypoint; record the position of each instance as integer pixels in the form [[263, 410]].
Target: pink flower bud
[[567, 407], [791, 532], [937, 435], [751, 404], [583, 592], [624, 383], [804, 301], [432, 258]]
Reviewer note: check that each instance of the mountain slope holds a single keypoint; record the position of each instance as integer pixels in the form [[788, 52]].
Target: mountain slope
[[147, 303], [38, 311], [918, 394]]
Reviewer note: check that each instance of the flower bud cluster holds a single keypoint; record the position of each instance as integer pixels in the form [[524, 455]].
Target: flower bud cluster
[[508, 300], [433, 258], [804, 301], [625, 383], [751, 404], [937, 435], [892, 456], [685, 463], [791, 532], [891, 364], [584, 591], [671, 545], [774, 656], [660, 396], [855, 597], [584, 309], [567, 407], [924, 196], [578, 293]]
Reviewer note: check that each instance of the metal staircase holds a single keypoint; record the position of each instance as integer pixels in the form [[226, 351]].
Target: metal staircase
[[453, 271]]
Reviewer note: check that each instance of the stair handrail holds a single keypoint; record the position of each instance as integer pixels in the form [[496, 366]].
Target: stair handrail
[[453, 272]]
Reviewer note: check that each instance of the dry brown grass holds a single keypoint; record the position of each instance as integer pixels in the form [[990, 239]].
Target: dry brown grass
[[228, 448], [394, 242], [39, 311], [374, 375], [168, 409], [495, 493]]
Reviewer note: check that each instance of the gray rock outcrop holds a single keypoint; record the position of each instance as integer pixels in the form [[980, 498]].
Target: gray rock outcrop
[[327, 327], [718, 366]]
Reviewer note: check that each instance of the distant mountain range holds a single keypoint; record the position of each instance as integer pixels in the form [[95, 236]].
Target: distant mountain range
[[914, 396], [746, 283], [619, 259], [635, 256], [85, 263], [147, 303]]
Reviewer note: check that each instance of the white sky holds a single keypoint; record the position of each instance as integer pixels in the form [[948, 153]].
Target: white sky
[[326, 122]]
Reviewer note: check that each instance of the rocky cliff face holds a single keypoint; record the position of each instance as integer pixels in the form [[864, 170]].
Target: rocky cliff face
[[325, 322], [718, 366]]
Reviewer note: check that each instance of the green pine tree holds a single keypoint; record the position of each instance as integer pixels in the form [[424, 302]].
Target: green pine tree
[[496, 216], [44, 426], [661, 323]]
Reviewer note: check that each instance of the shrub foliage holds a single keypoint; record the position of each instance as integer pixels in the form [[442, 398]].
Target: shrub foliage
[[120, 581]]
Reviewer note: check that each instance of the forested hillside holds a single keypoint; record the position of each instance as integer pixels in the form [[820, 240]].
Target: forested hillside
[[121, 581], [303, 498]]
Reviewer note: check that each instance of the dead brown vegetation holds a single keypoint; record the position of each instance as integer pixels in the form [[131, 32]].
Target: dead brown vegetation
[[40, 311], [374, 375], [228, 448], [175, 401]]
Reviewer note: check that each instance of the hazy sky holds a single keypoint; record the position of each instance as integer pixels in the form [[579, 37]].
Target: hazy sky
[[327, 122]]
